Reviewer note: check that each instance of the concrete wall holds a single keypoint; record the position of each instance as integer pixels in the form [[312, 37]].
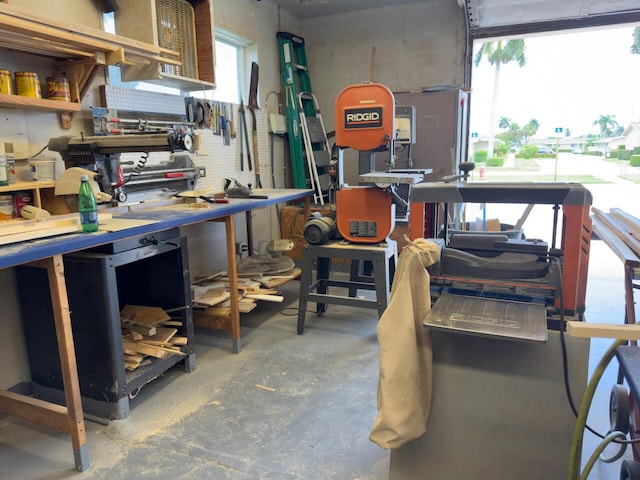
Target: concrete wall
[[417, 45]]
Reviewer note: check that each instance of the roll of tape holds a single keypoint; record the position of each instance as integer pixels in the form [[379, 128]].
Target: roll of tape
[[31, 212]]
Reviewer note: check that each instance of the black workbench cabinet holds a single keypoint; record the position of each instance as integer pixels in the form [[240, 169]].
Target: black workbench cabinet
[[152, 270]]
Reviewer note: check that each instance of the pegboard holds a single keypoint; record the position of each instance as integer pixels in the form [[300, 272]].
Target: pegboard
[[131, 100], [223, 161]]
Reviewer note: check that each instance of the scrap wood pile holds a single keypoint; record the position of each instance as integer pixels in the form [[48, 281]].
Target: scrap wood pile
[[620, 231], [148, 332], [213, 296]]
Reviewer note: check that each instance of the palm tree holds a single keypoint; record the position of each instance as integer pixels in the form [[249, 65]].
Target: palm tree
[[504, 123], [530, 129], [607, 124], [499, 53], [635, 48]]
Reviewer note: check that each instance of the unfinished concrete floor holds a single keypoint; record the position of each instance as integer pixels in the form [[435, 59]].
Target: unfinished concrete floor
[[216, 423]]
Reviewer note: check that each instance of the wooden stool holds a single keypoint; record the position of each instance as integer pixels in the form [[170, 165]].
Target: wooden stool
[[381, 257]]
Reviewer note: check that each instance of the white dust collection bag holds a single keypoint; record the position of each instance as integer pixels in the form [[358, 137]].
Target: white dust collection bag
[[404, 383]]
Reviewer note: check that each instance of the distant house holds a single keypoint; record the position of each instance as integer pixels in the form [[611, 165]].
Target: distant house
[[481, 143], [630, 136]]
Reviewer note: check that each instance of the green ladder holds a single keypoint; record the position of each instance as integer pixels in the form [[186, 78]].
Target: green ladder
[[295, 79]]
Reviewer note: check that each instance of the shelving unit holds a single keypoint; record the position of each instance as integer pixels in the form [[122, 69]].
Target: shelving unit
[[128, 23], [33, 187], [77, 51]]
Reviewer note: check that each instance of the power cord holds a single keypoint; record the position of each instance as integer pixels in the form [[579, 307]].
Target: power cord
[[565, 364]]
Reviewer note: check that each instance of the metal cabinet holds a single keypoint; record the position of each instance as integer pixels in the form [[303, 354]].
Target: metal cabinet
[[151, 270]]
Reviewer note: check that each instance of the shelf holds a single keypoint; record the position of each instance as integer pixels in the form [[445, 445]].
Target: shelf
[[35, 187], [152, 74], [29, 103], [77, 51], [19, 186]]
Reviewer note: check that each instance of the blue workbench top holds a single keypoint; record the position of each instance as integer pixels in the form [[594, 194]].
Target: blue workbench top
[[164, 218]]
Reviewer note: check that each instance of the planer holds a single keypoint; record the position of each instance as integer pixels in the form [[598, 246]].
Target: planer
[[501, 283]]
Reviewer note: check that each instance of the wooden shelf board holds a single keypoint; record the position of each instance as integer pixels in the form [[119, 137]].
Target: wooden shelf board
[[18, 186], [28, 103]]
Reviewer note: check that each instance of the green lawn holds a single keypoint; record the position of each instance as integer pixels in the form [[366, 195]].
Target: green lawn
[[542, 178]]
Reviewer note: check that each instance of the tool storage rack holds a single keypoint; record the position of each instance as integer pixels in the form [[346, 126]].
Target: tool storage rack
[[151, 270]]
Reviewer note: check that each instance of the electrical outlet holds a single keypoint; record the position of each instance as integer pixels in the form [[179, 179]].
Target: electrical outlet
[[241, 248]]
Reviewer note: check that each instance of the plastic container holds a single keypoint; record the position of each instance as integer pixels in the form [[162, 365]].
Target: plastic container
[[11, 162], [4, 179], [87, 206], [6, 207], [43, 169]]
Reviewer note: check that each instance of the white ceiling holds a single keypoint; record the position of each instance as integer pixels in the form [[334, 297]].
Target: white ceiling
[[306, 9], [494, 14]]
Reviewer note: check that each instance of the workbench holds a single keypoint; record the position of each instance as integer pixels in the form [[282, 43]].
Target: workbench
[[48, 253]]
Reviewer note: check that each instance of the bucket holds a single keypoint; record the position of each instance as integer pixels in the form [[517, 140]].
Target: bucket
[[6, 207], [42, 170]]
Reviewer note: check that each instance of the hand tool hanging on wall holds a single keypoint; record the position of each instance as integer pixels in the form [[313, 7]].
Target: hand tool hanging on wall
[[232, 123], [215, 106], [241, 144], [224, 125], [253, 106], [243, 118]]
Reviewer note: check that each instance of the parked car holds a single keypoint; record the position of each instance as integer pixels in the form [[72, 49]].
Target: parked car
[[544, 150], [577, 150]]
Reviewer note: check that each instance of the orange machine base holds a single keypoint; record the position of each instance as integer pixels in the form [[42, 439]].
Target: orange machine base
[[364, 214]]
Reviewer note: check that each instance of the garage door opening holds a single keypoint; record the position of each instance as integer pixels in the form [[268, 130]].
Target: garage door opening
[[560, 106]]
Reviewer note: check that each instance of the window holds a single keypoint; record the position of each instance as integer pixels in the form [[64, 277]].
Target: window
[[228, 72], [231, 57]]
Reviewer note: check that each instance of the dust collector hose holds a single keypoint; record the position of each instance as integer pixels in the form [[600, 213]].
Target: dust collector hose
[[575, 457]]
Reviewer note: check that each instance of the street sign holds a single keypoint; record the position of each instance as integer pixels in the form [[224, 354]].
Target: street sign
[[474, 135], [558, 129]]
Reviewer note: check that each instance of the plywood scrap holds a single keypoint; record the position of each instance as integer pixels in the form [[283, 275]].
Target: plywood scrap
[[209, 278], [209, 294], [143, 314], [141, 328], [143, 349], [275, 281], [148, 340], [162, 335]]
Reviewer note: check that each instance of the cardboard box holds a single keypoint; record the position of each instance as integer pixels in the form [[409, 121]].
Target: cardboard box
[[292, 222]]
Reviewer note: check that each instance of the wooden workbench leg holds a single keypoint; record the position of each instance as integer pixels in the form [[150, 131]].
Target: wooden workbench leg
[[233, 284], [64, 334]]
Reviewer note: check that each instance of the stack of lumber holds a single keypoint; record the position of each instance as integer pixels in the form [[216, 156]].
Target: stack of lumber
[[147, 332], [621, 232], [213, 296]]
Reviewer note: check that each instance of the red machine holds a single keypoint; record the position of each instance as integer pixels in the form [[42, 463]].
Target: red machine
[[365, 121], [429, 213]]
